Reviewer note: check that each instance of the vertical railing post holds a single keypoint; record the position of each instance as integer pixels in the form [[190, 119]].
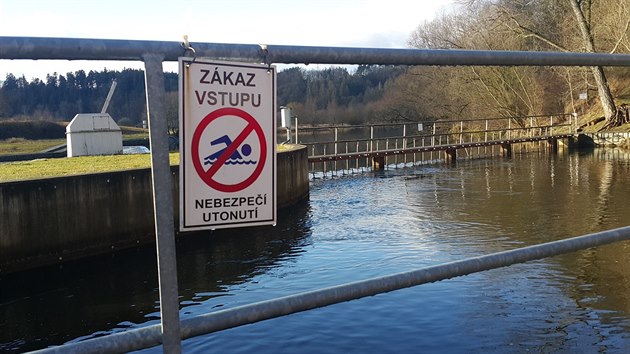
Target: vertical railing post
[[422, 153], [433, 136], [371, 137], [336, 137], [296, 130], [486, 133], [461, 131], [404, 140], [414, 152], [162, 203]]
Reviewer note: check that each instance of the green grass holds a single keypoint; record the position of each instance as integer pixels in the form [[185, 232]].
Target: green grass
[[23, 146], [43, 168], [68, 166]]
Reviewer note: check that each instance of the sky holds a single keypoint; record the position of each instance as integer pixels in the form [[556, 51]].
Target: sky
[[346, 23]]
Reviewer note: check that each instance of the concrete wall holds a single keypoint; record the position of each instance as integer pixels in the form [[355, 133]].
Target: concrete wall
[[292, 175], [47, 221], [604, 139]]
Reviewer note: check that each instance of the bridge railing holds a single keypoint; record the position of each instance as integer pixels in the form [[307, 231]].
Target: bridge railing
[[336, 142]]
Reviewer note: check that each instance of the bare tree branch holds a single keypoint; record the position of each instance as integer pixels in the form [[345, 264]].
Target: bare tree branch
[[530, 33], [623, 35]]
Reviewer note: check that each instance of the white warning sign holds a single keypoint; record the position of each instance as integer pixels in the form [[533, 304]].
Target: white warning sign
[[227, 144]]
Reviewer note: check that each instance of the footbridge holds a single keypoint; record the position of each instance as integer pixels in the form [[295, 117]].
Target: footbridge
[[378, 145]]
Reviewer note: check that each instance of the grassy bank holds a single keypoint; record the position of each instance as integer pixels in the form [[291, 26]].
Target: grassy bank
[[42, 168], [23, 146]]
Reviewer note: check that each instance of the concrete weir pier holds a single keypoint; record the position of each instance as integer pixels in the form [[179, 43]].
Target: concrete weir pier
[[52, 220]]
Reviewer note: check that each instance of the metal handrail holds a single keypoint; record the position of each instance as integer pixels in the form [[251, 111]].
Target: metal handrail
[[427, 122], [135, 50], [150, 336]]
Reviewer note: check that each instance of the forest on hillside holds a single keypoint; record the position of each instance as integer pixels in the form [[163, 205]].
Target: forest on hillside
[[331, 95], [368, 94]]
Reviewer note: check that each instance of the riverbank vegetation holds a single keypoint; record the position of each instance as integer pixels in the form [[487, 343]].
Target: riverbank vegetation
[[545, 25]]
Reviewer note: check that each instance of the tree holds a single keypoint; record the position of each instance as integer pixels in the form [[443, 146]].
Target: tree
[[474, 91], [605, 96], [560, 34], [291, 86]]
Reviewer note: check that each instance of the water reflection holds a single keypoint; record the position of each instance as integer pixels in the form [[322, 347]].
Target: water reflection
[[113, 293], [567, 195]]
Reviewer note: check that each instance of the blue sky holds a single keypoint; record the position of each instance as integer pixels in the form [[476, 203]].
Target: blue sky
[[352, 23]]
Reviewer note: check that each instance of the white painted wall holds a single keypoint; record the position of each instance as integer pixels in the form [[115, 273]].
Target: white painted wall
[[93, 134]]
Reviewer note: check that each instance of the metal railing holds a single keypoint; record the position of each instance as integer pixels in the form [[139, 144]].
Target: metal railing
[[432, 133], [216, 321], [326, 145], [153, 53]]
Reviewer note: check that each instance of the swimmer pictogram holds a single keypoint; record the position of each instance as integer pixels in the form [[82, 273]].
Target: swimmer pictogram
[[235, 159], [233, 154]]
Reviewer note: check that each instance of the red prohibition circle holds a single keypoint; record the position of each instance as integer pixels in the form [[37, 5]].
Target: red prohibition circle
[[252, 125]]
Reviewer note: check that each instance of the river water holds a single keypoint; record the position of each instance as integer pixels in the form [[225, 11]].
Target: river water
[[367, 225]]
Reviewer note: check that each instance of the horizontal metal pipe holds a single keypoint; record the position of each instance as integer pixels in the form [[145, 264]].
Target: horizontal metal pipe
[[426, 123], [150, 336], [117, 49]]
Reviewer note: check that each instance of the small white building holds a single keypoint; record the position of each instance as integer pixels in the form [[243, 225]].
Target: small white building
[[93, 134]]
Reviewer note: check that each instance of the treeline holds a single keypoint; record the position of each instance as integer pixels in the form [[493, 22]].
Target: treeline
[[335, 95], [60, 97], [320, 96], [31, 130]]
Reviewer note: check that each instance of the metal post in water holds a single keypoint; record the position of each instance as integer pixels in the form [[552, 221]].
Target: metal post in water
[[357, 160], [336, 137], [162, 204], [414, 154], [347, 161], [324, 163], [296, 130], [404, 141], [422, 153]]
